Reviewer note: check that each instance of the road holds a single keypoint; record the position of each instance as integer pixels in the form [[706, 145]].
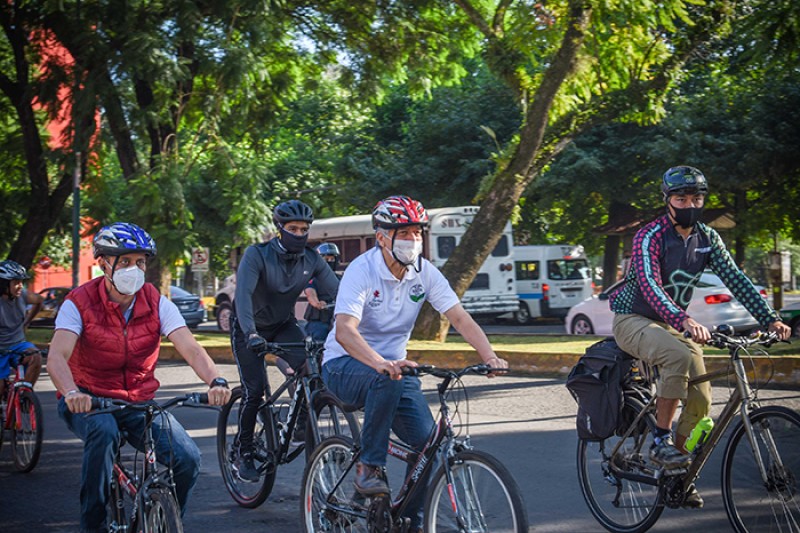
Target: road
[[527, 422]]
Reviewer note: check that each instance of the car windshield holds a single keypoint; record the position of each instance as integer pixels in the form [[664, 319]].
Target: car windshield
[[177, 292]]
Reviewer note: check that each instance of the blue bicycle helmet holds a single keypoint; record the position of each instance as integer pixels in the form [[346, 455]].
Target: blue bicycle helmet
[[12, 270], [122, 238], [293, 210], [328, 248]]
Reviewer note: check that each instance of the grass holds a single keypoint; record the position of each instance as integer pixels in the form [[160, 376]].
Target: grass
[[562, 344]]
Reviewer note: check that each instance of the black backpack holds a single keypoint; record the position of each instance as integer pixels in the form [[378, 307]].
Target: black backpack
[[596, 384]]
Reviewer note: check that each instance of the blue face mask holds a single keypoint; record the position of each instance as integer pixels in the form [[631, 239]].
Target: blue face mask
[[294, 244]]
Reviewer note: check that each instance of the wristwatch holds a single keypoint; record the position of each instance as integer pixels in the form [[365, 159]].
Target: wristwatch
[[218, 382]]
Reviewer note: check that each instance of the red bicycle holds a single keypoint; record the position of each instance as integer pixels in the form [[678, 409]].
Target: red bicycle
[[21, 415]]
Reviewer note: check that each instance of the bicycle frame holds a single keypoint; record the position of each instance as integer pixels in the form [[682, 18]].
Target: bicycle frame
[[12, 392]]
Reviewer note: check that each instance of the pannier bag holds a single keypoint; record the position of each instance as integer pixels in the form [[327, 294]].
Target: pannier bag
[[596, 384]]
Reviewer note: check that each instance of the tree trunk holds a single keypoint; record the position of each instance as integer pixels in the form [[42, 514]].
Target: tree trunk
[[611, 260]]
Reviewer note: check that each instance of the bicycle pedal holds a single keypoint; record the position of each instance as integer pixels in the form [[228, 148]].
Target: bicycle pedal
[[669, 472]]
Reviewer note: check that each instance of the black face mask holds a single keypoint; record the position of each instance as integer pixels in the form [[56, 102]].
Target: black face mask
[[294, 244], [688, 217], [333, 264]]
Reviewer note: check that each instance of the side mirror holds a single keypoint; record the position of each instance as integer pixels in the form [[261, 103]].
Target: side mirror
[[602, 296]]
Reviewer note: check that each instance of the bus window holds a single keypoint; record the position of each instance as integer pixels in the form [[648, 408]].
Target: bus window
[[445, 246], [527, 270], [481, 281], [568, 269], [370, 243], [501, 249], [351, 249]]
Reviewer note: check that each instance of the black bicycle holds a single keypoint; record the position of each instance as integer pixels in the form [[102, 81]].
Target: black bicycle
[[626, 492], [470, 491], [143, 495], [277, 425]]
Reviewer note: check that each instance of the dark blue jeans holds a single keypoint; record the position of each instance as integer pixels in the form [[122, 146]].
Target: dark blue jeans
[[318, 330], [101, 437], [388, 405]]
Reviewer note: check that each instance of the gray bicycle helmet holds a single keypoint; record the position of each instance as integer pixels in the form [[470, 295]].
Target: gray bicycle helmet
[[328, 248], [293, 210], [683, 180], [12, 270]]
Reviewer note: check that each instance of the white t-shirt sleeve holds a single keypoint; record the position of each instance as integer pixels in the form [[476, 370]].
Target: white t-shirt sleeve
[[69, 318], [440, 295], [171, 318], [352, 295]]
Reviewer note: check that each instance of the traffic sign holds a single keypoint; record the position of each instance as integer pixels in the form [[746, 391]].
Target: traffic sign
[[200, 258]]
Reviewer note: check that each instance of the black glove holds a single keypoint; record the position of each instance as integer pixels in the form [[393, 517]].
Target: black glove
[[256, 344]]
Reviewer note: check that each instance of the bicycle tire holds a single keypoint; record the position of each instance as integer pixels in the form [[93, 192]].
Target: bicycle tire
[[330, 464], [621, 505], [332, 420], [26, 433], [487, 496], [159, 512], [751, 504], [246, 494]]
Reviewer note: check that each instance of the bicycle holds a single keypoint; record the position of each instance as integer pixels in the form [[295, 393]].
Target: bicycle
[[142, 498], [21, 415], [627, 493], [469, 491], [277, 425]]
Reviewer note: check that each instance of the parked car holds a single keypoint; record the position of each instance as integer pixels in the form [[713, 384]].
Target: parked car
[[712, 304], [53, 298], [190, 306], [791, 316]]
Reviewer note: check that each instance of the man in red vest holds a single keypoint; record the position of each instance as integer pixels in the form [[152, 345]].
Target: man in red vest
[[106, 344]]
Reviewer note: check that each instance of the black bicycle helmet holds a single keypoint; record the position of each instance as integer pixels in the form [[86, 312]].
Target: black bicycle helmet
[[328, 248], [122, 238], [293, 210], [683, 180], [12, 270]]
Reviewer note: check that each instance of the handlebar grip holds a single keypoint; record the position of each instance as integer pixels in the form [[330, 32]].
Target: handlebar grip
[[202, 397], [687, 334]]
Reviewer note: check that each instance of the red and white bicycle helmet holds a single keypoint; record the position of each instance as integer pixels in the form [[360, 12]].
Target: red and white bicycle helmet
[[398, 211]]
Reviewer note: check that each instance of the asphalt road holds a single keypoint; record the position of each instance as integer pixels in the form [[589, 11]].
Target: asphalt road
[[527, 422]]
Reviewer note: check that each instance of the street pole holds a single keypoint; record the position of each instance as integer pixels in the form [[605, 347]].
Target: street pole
[[76, 221]]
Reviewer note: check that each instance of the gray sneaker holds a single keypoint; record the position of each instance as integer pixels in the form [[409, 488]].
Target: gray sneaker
[[693, 500], [369, 481], [667, 455]]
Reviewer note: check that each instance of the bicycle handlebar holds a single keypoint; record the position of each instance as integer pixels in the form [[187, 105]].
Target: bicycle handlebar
[[279, 348], [108, 405], [723, 340], [480, 369]]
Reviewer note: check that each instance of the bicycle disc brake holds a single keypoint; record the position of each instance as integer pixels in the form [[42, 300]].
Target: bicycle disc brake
[[379, 519]]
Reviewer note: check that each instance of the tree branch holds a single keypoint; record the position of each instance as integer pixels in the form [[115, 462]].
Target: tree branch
[[498, 22], [476, 18]]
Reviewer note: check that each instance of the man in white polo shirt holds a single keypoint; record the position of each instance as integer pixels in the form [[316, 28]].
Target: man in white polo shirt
[[379, 298]]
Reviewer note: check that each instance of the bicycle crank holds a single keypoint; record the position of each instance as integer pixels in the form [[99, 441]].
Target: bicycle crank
[[379, 518]]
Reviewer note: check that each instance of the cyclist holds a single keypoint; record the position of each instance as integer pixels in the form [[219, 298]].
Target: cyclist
[[669, 255], [318, 316], [106, 344], [14, 321], [270, 278], [381, 294]]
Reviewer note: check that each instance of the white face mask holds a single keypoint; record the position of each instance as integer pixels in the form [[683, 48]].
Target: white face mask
[[407, 252], [128, 280]]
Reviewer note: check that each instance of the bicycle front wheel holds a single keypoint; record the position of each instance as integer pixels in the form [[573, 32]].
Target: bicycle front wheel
[[26, 432], [772, 502], [245, 493], [621, 491], [482, 498], [159, 512], [328, 500]]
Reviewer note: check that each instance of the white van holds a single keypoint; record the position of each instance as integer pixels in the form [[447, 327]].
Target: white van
[[550, 280], [492, 292]]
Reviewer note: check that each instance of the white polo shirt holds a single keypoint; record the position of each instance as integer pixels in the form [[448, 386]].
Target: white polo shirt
[[386, 307]]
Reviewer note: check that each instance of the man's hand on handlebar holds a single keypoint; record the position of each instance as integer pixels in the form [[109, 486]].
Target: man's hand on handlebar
[[256, 343], [394, 369], [495, 362], [78, 402], [699, 332], [782, 330], [218, 392]]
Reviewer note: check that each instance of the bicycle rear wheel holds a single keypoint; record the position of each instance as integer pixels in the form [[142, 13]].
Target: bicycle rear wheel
[[619, 503], [483, 497], [159, 512], [752, 503], [247, 494], [332, 420], [26, 433], [328, 483]]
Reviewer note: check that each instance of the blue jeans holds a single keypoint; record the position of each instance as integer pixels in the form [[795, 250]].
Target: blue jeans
[[101, 437], [388, 405], [318, 330]]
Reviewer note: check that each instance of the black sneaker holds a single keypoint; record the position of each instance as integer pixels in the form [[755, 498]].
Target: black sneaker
[[369, 481], [667, 455], [245, 468], [299, 437]]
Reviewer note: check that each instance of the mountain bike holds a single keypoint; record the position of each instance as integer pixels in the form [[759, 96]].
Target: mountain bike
[[626, 492], [142, 495], [21, 415], [469, 490], [277, 425]]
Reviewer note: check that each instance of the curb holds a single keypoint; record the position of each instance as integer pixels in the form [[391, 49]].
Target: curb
[[783, 370]]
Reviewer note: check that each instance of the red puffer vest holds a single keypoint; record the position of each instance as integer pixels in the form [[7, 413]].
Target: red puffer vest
[[113, 359]]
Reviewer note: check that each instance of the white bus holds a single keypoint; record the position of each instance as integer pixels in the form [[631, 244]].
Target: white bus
[[492, 292]]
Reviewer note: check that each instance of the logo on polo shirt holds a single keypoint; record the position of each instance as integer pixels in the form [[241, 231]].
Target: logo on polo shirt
[[376, 299], [417, 293]]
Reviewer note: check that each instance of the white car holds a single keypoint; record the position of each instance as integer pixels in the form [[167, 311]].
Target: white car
[[711, 305]]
